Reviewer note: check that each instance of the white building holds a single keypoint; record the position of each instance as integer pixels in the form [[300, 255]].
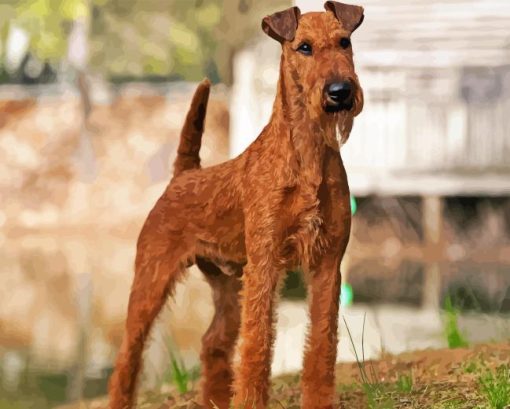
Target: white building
[[436, 76]]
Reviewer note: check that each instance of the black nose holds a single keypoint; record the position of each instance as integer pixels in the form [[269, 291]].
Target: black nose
[[339, 91]]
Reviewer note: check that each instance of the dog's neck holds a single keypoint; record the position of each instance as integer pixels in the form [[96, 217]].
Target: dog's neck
[[310, 133]]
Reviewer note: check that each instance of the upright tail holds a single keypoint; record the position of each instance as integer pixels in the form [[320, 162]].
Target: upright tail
[[191, 133]]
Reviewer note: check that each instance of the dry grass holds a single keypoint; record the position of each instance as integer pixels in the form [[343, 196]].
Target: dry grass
[[435, 379]]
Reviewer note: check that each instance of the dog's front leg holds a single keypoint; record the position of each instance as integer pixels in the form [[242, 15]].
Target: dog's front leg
[[318, 381], [260, 281]]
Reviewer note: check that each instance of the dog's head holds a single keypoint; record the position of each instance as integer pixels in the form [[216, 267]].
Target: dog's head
[[317, 61]]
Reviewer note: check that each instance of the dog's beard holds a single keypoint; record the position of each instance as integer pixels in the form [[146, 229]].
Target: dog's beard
[[345, 119], [335, 126], [343, 127]]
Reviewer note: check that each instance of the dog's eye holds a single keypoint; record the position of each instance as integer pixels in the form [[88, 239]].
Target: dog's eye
[[305, 48], [345, 43]]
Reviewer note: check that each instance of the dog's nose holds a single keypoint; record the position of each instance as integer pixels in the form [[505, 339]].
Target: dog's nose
[[339, 91]]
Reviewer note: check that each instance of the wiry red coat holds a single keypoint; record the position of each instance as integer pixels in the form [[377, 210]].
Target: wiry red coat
[[282, 203]]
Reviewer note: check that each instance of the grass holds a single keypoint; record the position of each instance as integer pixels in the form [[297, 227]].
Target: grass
[[471, 367], [477, 377], [378, 393], [374, 389], [470, 378], [453, 404], [495, 386], [179, 375], [454, 336], [405, 383]]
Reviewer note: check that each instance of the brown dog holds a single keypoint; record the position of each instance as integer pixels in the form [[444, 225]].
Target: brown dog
[[282, 203]]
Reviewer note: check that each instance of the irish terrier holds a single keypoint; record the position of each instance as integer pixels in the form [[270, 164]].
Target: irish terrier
[[283, 203]]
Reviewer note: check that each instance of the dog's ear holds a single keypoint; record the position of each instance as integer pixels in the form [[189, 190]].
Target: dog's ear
[[282, 25], [348, 15]]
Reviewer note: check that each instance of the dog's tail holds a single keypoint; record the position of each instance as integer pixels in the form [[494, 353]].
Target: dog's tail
[[191, 133]]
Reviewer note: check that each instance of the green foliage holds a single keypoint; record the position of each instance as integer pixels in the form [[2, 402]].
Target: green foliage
[[496, 387], [135, 38], [131, 39], [452, 332], [10, 404], [471, 367], [180, 376], [405, 383], [34, 388], [46, 21]]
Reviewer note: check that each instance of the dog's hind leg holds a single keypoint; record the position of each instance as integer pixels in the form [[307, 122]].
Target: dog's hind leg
[[219, 341], [160, 262]]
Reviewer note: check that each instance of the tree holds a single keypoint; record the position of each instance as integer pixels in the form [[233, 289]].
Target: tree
[[166, 39]]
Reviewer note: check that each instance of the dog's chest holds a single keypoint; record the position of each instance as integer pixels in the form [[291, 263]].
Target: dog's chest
[[303, 226], [317, 213]]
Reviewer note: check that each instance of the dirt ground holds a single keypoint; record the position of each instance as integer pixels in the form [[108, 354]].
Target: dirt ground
[[435, 379]]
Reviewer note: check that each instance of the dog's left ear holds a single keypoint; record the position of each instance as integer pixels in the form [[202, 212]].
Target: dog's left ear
[[348, 15], [282, 25]]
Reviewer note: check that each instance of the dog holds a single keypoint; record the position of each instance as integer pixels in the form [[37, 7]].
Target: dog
[[283, 203]]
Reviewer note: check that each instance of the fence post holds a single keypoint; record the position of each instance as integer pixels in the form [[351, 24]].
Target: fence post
[[432, 235], [84, 310]]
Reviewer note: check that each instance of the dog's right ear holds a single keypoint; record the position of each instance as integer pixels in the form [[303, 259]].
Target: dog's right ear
[[282, 25]]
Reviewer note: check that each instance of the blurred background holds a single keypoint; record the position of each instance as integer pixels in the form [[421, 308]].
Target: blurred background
[[92, 97]]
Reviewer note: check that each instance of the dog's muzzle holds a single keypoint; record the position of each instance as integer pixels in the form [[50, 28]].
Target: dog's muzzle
[[338, 96]]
